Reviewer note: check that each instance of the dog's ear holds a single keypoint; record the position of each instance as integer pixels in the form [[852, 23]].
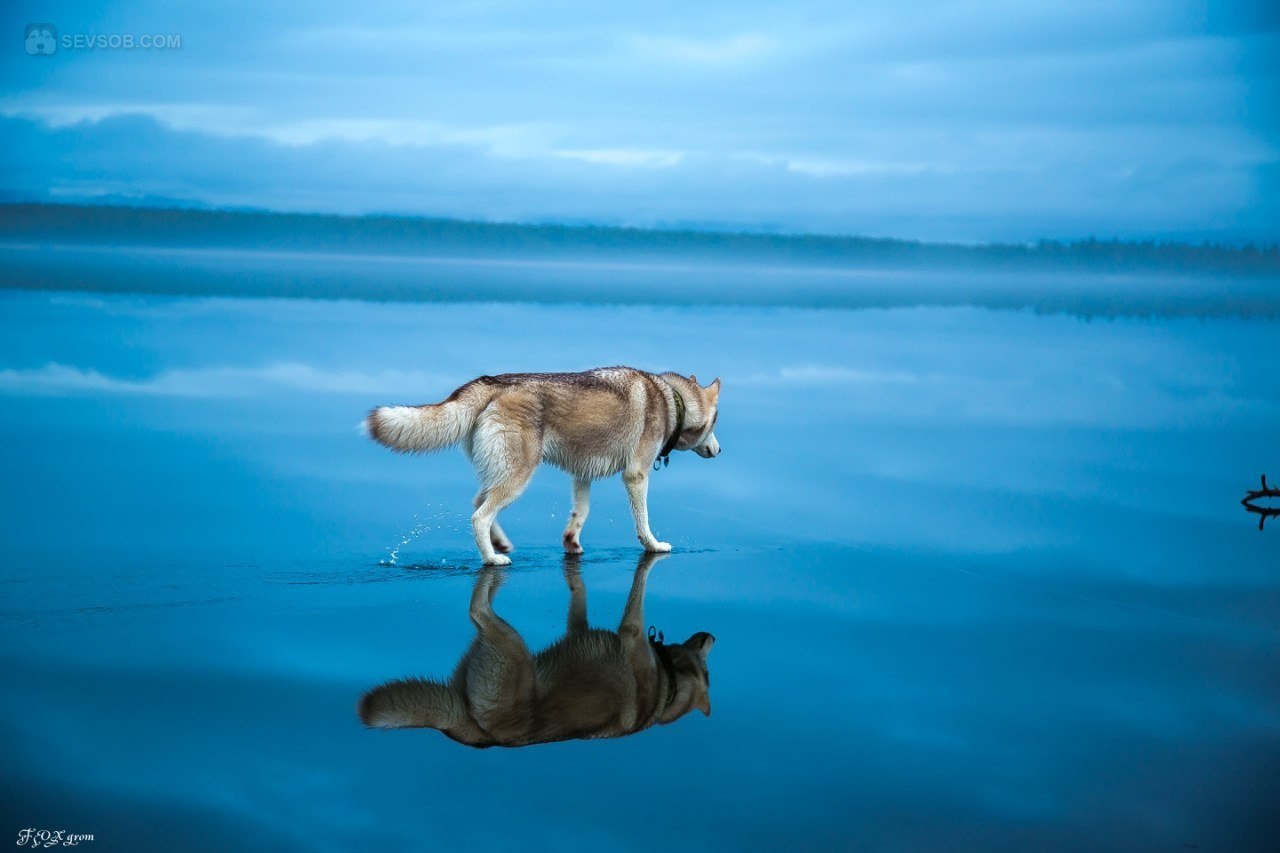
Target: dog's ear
[[700, 643], [714, 388], [693, 377]]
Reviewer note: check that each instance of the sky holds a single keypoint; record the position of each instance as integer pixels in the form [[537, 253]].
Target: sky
[[937, 120]]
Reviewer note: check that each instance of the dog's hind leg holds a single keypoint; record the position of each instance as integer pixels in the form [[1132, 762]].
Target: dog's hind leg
[[578, 516], [497, 496], [496, 675], [505, 457], [501, 543], [481, 609]]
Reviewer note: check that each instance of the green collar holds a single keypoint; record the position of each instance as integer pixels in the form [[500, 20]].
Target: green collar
[[664, 455]]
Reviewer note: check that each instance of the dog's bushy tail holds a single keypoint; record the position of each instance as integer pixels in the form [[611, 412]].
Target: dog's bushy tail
[[408, 703], [421, 429]]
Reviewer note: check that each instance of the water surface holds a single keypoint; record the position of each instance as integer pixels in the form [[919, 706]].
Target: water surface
[[979, 579]]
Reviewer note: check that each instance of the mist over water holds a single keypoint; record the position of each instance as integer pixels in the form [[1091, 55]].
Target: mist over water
[[979, 578]]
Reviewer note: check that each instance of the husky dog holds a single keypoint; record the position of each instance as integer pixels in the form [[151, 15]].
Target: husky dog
[[591, 683], [591, 424]]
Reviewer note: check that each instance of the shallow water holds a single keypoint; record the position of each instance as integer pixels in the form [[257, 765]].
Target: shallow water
[[979, 579]]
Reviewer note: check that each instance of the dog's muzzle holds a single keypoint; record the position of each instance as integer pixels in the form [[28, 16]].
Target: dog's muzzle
[[709, 449]]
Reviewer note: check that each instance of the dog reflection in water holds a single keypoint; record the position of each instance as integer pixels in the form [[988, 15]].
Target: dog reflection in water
[[591, 683]]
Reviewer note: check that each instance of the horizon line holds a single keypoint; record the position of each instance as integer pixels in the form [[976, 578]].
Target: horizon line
[[706, 229]]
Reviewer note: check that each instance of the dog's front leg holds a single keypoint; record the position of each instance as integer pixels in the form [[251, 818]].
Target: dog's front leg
[[637, 481], [578, 516], [632, 624], [577, 623]]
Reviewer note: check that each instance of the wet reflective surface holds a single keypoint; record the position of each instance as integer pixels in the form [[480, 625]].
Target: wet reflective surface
[[978, 580], [589, 683]]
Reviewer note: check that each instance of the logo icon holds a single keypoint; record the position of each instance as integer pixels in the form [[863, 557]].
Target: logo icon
[[41, 39]]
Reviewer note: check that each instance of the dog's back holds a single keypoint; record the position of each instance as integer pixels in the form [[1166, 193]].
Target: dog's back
[[585, 423], [587, 688]]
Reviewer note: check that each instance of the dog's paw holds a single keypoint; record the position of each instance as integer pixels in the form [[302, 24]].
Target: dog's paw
[[656, 547], [498, 560], [503, 546], [571, 544]]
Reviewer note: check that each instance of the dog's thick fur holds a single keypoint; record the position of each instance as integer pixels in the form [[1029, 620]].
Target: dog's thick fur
[[590, 683], [592, 424]]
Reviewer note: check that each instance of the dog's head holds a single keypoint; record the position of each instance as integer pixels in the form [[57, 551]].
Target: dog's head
[[693, 681], [700, 420]]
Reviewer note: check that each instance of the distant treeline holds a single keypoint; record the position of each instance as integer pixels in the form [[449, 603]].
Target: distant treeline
[[404, 235]]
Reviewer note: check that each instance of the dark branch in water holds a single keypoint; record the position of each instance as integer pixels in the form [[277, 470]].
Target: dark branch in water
[[1264, 512]]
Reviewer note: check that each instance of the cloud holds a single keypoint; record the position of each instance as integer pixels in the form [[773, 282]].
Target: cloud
[[219, 121], [55, 379], [626, 157], [1008, 121], [138, 157], [823, 167], [726, 50], [820, 374]]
